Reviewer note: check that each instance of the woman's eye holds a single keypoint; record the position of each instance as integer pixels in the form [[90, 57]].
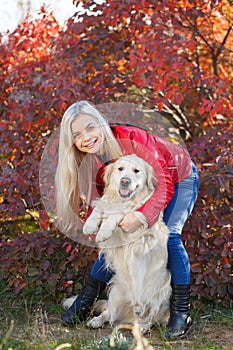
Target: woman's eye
[[136, 171], [91, 127], [75, 136]]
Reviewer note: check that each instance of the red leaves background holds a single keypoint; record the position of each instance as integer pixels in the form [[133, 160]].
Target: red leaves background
[[172, 56]]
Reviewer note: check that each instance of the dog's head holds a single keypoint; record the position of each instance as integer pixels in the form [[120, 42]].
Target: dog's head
[[128, 176]]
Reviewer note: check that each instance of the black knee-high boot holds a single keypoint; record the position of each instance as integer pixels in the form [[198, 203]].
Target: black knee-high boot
[[81, 307], [180, 321]]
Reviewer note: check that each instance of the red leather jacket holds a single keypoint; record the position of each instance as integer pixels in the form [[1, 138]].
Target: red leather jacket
[[171, 163]]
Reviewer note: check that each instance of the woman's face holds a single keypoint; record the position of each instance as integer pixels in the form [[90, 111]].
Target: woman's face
[[87, 134]]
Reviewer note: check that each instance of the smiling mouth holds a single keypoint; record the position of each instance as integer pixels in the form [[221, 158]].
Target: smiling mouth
[[91, 144], [125, 192]]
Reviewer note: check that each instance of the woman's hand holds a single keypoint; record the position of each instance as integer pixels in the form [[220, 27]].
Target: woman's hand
[[130, 222]]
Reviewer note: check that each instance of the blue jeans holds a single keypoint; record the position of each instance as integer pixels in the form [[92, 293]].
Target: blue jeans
[[175, 216]]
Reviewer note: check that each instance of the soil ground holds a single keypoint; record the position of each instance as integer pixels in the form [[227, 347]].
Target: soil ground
[[208, 333]]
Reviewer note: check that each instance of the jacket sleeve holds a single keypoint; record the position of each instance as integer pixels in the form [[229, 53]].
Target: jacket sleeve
[[154, 153]]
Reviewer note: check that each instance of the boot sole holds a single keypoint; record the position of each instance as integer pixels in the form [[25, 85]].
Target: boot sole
[[182, 336]]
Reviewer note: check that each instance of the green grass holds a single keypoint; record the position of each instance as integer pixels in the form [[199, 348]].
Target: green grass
[[31, 321], [27, 223]]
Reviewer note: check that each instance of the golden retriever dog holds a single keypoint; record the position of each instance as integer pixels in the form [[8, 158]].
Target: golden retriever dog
[[139, 290]]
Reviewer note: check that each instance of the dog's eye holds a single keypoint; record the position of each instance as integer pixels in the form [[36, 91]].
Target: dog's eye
[[136, 171], [120, 168]]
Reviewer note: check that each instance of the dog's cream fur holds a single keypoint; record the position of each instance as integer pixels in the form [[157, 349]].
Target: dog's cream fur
[[140, 288]]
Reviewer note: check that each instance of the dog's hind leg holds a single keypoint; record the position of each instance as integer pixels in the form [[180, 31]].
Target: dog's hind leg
[[99, 321]]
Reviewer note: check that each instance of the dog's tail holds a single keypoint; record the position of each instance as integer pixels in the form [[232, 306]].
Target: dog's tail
[[66, 303], [100, 305]]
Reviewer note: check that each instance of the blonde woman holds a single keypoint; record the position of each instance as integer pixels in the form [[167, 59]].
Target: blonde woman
[[86, 144]]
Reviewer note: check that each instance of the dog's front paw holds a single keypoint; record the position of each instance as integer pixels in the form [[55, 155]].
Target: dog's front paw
[[89, 229], [103, 235]]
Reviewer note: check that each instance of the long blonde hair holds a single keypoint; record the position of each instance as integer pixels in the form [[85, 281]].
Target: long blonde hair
[[68, 175]]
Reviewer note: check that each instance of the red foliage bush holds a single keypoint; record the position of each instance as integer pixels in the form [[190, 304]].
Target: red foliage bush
[[208, 233], [44, 260], [169, 56]]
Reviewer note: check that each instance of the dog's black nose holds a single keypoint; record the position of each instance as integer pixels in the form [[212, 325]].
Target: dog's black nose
[[125, 181]]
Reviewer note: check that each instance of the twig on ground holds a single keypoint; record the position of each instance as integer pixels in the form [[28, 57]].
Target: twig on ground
[[140, 342]]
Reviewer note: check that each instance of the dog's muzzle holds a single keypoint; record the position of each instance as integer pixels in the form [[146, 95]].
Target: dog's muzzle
[[124, 190]]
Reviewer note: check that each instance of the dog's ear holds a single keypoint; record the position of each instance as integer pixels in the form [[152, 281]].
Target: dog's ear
[[108, 173], [151, 179]]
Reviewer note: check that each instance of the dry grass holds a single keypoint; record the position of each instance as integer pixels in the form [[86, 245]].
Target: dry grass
[[30, 324], [38, 330]]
